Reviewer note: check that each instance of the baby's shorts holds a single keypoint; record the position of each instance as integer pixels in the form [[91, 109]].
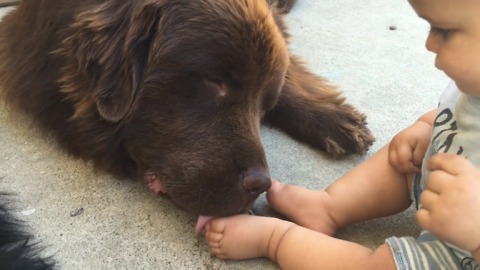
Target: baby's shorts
[[425, 253]]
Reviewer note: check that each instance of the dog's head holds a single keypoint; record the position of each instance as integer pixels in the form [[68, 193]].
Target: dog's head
[[184, 85]]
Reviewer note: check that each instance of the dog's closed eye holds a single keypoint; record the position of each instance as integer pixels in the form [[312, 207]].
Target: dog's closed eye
[[218, 87]]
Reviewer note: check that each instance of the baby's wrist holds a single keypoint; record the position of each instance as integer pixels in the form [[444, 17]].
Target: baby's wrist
[[423, 121], [428, 118]]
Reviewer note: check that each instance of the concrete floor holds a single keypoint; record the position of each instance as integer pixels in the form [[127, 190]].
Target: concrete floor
[[387, 73]]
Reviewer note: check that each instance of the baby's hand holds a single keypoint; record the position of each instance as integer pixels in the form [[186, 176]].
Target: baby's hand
[[451, 202], [407, 148]]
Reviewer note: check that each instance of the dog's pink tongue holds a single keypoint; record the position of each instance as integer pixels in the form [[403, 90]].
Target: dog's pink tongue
[[201, 222]]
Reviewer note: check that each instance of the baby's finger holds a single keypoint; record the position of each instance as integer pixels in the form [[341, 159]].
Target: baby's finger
[[419, 154], [428, 200], [402, 159], [438, 181], [410, 167], [423, 219], [450, 163]]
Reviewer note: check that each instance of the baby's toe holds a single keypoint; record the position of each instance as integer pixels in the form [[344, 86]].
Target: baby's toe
[[213, 236], [220, 255], [216, 225]]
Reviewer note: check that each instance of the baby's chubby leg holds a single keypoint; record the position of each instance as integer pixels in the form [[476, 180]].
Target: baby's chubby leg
[[372, 189], [291, 246]]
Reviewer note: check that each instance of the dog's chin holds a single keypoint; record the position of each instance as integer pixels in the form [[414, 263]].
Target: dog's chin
[[204, 219], [204, 215], [201, 222]]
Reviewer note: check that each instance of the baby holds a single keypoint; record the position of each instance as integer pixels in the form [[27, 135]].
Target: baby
[[435, 162]]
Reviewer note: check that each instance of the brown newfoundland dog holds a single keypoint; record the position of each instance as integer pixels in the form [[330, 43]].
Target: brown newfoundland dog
[[171, 91]]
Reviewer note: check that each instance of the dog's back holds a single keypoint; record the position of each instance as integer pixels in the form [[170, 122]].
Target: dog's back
[[31, 70], [28, 70]]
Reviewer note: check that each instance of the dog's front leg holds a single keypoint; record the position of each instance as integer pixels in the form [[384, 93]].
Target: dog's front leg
[[313, 111]]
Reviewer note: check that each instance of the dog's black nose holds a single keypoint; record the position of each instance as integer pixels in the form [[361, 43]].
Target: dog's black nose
[[255, 183]]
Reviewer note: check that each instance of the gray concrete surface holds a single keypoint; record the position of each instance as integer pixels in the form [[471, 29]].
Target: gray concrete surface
[[387, 73]]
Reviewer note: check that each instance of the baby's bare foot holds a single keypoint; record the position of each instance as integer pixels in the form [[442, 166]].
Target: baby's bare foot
[[305, 207], [244, 237]]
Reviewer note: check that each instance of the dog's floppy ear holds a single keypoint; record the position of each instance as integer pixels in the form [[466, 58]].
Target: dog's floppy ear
[[106, 52]]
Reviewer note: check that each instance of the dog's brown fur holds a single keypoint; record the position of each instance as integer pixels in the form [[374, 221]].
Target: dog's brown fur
[[176, 89]]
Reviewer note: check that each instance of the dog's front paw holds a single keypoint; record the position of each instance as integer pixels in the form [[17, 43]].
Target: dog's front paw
[[349, 134], [313, 111], [329, 125]]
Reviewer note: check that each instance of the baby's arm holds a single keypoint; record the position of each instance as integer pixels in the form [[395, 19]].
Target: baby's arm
[[451, 202], [408, 147]]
